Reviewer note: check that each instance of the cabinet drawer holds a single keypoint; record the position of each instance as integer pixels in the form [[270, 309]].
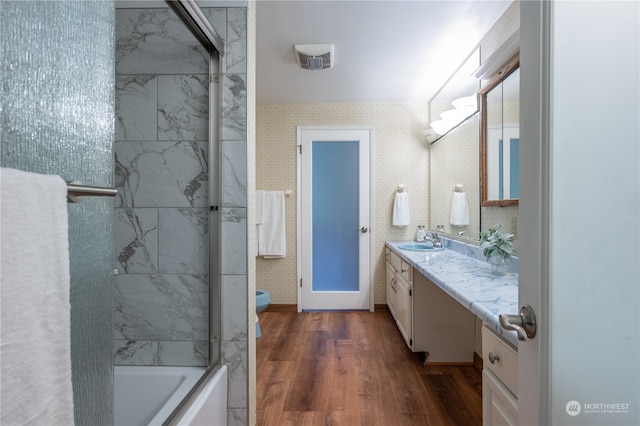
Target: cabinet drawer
[[505, 358], [401, 266]]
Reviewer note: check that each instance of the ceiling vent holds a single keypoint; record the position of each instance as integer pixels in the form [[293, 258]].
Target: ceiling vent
[[314, 56]]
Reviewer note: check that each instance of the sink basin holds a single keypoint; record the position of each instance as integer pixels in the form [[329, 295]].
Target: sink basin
[[419, 247]]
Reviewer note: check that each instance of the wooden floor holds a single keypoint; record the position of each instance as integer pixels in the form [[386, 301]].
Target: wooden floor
[[353, 368]]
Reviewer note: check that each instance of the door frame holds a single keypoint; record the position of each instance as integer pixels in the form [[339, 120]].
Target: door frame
[[299, 130]]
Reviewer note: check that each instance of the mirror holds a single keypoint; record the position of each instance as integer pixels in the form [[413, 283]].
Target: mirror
[[500, 138], [454, 161], [456, 101], [454, 154]]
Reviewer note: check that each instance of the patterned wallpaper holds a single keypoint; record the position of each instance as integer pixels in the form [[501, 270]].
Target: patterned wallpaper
[[400, 156]]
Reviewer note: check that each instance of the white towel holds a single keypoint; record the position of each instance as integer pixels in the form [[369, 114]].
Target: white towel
[[259, 207], [459, 209], [270, 219], [401, 209], [35, 340]]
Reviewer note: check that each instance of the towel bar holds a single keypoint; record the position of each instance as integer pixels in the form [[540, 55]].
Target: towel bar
[[76, 190]]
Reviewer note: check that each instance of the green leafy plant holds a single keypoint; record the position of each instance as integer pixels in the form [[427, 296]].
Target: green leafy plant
[[496, 242]]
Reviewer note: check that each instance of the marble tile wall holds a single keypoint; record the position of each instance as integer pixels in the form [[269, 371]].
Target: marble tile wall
[[161, 227], [235, 345], [161, 214]]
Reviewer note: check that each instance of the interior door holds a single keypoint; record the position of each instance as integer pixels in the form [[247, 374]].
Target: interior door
[[586, 300], [334, 214]]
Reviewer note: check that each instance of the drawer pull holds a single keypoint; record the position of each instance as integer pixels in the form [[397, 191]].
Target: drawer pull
[[493, 358]]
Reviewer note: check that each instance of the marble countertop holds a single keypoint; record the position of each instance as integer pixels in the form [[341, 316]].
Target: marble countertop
[[470, 282]]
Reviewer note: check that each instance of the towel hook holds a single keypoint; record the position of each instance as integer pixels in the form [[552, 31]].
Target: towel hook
[[400, 188], [458, 187]]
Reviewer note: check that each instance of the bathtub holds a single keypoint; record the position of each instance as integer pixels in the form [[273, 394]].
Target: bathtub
[[148, 395]]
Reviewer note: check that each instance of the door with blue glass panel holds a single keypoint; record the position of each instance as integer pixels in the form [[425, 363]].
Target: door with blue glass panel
[[334, 213]]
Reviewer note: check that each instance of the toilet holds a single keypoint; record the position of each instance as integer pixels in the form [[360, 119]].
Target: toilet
[[263, 298]]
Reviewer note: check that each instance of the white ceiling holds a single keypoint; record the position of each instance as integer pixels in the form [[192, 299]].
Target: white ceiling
[[385, 51]]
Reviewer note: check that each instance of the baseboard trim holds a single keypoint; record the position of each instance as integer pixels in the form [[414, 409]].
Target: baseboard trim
[[382, 307], [477, 361], [275, 307]]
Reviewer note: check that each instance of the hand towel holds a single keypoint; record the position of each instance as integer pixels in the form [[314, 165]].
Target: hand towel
[[35, 333], [401, 209], [272, 237], [459, 209]]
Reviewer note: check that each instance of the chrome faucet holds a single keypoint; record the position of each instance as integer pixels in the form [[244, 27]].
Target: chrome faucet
[[433, 237]]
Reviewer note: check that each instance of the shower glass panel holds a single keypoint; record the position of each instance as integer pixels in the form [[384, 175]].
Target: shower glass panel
[[57, 118], [162, 214]]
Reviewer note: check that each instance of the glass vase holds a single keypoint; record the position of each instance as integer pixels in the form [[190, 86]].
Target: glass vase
[[499, 265]]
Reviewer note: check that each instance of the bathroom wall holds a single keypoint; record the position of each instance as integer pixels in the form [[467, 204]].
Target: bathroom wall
[[161, 246], [400, 156], [57, 118]]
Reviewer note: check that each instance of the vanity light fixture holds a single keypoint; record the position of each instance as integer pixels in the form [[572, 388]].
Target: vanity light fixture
[[449, 119]]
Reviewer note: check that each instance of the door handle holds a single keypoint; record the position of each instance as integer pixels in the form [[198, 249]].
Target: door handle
[[524, 324], [363, 229]]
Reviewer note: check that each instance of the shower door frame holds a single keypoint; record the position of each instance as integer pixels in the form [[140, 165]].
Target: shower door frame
[[193, 18]]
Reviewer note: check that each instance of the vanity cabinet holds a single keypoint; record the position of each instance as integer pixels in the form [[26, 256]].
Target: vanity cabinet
[[430, 320], [499, 380], [399, 276]]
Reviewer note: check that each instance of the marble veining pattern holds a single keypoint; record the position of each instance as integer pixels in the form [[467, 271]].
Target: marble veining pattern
[[235, 355], [234, 240], [161, 307], [136, 108], [234, 174], [183, 107], [132, 352], [136, 240], [190, 353], [470, 282], [183, 241], [149, 40], [234, 107], [234, 308], [162, 174], [236, 41]]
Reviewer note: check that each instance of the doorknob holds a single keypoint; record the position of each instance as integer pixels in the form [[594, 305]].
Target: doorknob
[[363, 229], [524, 324]]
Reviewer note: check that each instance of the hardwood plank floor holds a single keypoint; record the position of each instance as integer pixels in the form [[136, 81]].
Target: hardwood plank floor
[[353, 368]]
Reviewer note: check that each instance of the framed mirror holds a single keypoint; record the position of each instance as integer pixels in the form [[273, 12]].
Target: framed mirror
[[500, 138]]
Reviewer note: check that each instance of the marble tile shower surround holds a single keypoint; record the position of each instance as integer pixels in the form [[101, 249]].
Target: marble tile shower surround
[[161, 155], [162, 172]]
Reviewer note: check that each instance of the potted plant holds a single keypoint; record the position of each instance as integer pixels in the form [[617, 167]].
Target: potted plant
[[497, 247]]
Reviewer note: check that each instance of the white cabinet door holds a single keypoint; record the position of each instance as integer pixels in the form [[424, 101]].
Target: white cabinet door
[[404, 308], [390, 290], [499, 406]]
